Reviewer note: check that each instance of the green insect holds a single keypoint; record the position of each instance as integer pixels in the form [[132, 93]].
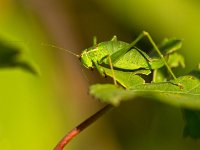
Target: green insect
[[124, 62], [116, 58]]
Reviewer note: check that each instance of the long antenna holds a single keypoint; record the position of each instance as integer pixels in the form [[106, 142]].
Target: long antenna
[[53, 46]]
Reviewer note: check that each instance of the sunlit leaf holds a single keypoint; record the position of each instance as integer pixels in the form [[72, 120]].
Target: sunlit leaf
[[184, 92]]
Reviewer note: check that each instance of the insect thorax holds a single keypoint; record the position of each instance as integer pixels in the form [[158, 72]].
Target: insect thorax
[[101, 50]]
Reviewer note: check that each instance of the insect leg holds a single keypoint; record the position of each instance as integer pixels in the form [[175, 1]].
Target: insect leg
[[159, 53], [143, 34], [100, 69], [111, 67], [117, 55]]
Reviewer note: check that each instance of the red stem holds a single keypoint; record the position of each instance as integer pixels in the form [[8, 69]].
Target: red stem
[[81, 127]]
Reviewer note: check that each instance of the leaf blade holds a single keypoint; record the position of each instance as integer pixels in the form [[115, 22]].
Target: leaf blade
[[186, 96], [10, 58]]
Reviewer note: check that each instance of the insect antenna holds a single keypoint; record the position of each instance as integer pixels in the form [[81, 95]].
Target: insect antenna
[[60, 48]]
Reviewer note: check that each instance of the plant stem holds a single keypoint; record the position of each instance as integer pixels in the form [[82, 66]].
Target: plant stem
[[81, 127]]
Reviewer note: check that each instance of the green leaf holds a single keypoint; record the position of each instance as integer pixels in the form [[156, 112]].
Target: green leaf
[[168, 46], [10, 58], [128, 79], [184, 92], [174, 60]]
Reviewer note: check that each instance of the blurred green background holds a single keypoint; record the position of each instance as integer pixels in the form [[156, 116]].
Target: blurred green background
[[36, 111]]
